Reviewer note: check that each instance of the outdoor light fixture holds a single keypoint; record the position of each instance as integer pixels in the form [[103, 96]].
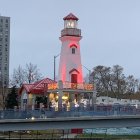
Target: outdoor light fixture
[[64, 97], [33, 118]]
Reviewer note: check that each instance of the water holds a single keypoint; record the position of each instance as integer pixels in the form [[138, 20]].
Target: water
[[114, 131]]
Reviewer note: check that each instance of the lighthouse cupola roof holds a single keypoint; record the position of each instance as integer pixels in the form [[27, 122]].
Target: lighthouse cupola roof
[[70, 17]]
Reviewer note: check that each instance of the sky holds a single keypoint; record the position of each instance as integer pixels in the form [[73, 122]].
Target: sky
[[110, 31]]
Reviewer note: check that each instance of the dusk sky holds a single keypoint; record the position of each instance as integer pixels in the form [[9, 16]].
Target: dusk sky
[[110, 30]]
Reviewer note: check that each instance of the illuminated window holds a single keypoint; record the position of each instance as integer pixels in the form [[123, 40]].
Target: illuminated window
[[73, 50]]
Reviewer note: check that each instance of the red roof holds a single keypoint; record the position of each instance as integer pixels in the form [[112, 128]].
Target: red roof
[[74, 70], [28, 87], [70, 16], [37, 87], [42, 85]]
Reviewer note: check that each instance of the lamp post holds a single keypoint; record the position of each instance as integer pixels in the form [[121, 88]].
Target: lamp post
[[89, 72], [90, 94], [54, 64]]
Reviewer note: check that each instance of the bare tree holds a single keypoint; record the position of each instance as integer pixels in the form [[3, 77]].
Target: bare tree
[[28, 75], [138, 86], [18, 77], [132, 84], [118, 80], [32, 73]]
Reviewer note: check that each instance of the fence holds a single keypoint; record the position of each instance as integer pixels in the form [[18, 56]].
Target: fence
[[96, 110]]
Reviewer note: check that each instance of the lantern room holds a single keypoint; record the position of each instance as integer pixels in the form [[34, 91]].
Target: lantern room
[[70, 21], [71, 26]]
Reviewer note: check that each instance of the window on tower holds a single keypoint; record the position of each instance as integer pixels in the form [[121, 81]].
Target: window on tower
[[73, 50]]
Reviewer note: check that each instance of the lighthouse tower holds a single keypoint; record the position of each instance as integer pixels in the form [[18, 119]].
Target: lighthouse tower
[[70, 67]]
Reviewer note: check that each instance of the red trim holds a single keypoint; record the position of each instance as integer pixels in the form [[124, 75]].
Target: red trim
[[73, 45], [27, 87], [38, 87], [74, 70], [70, 16]]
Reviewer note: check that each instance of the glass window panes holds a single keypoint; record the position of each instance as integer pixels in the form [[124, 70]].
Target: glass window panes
[[73, 50]]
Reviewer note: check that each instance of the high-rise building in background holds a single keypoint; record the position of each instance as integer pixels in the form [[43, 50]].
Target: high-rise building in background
[[4, 50]]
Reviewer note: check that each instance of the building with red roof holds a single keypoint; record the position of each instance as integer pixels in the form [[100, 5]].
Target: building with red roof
[[29, 92]]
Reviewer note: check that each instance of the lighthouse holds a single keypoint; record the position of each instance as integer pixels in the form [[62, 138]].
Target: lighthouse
[[69, 92], [70, 67]]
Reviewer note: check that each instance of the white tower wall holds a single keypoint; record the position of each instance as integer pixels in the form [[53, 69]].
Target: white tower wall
[[69, 61]]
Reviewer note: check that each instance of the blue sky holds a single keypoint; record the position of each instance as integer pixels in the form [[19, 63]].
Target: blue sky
[[110, 30]]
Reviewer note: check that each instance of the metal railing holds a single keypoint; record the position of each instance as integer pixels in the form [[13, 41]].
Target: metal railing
[[96, 110], [71, 32]]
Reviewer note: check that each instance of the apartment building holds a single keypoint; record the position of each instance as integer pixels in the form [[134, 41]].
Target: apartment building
[[4, 50]]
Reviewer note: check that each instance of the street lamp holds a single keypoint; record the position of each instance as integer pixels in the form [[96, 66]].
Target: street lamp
[[54, 64], [89, 72]]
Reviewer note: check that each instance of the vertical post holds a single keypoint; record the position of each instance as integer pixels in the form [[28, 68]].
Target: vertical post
[[37, 134], [94, 96], [54, 64], [89, 75], [89, 72], [20, 134], [9, 134], [54, 67], [60, 94], [52, 132]]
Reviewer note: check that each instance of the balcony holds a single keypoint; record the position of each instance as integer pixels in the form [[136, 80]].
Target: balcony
[[72, 86], [71, 32]]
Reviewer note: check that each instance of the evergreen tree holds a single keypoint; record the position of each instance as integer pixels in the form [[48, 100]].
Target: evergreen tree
[[12, 99]]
